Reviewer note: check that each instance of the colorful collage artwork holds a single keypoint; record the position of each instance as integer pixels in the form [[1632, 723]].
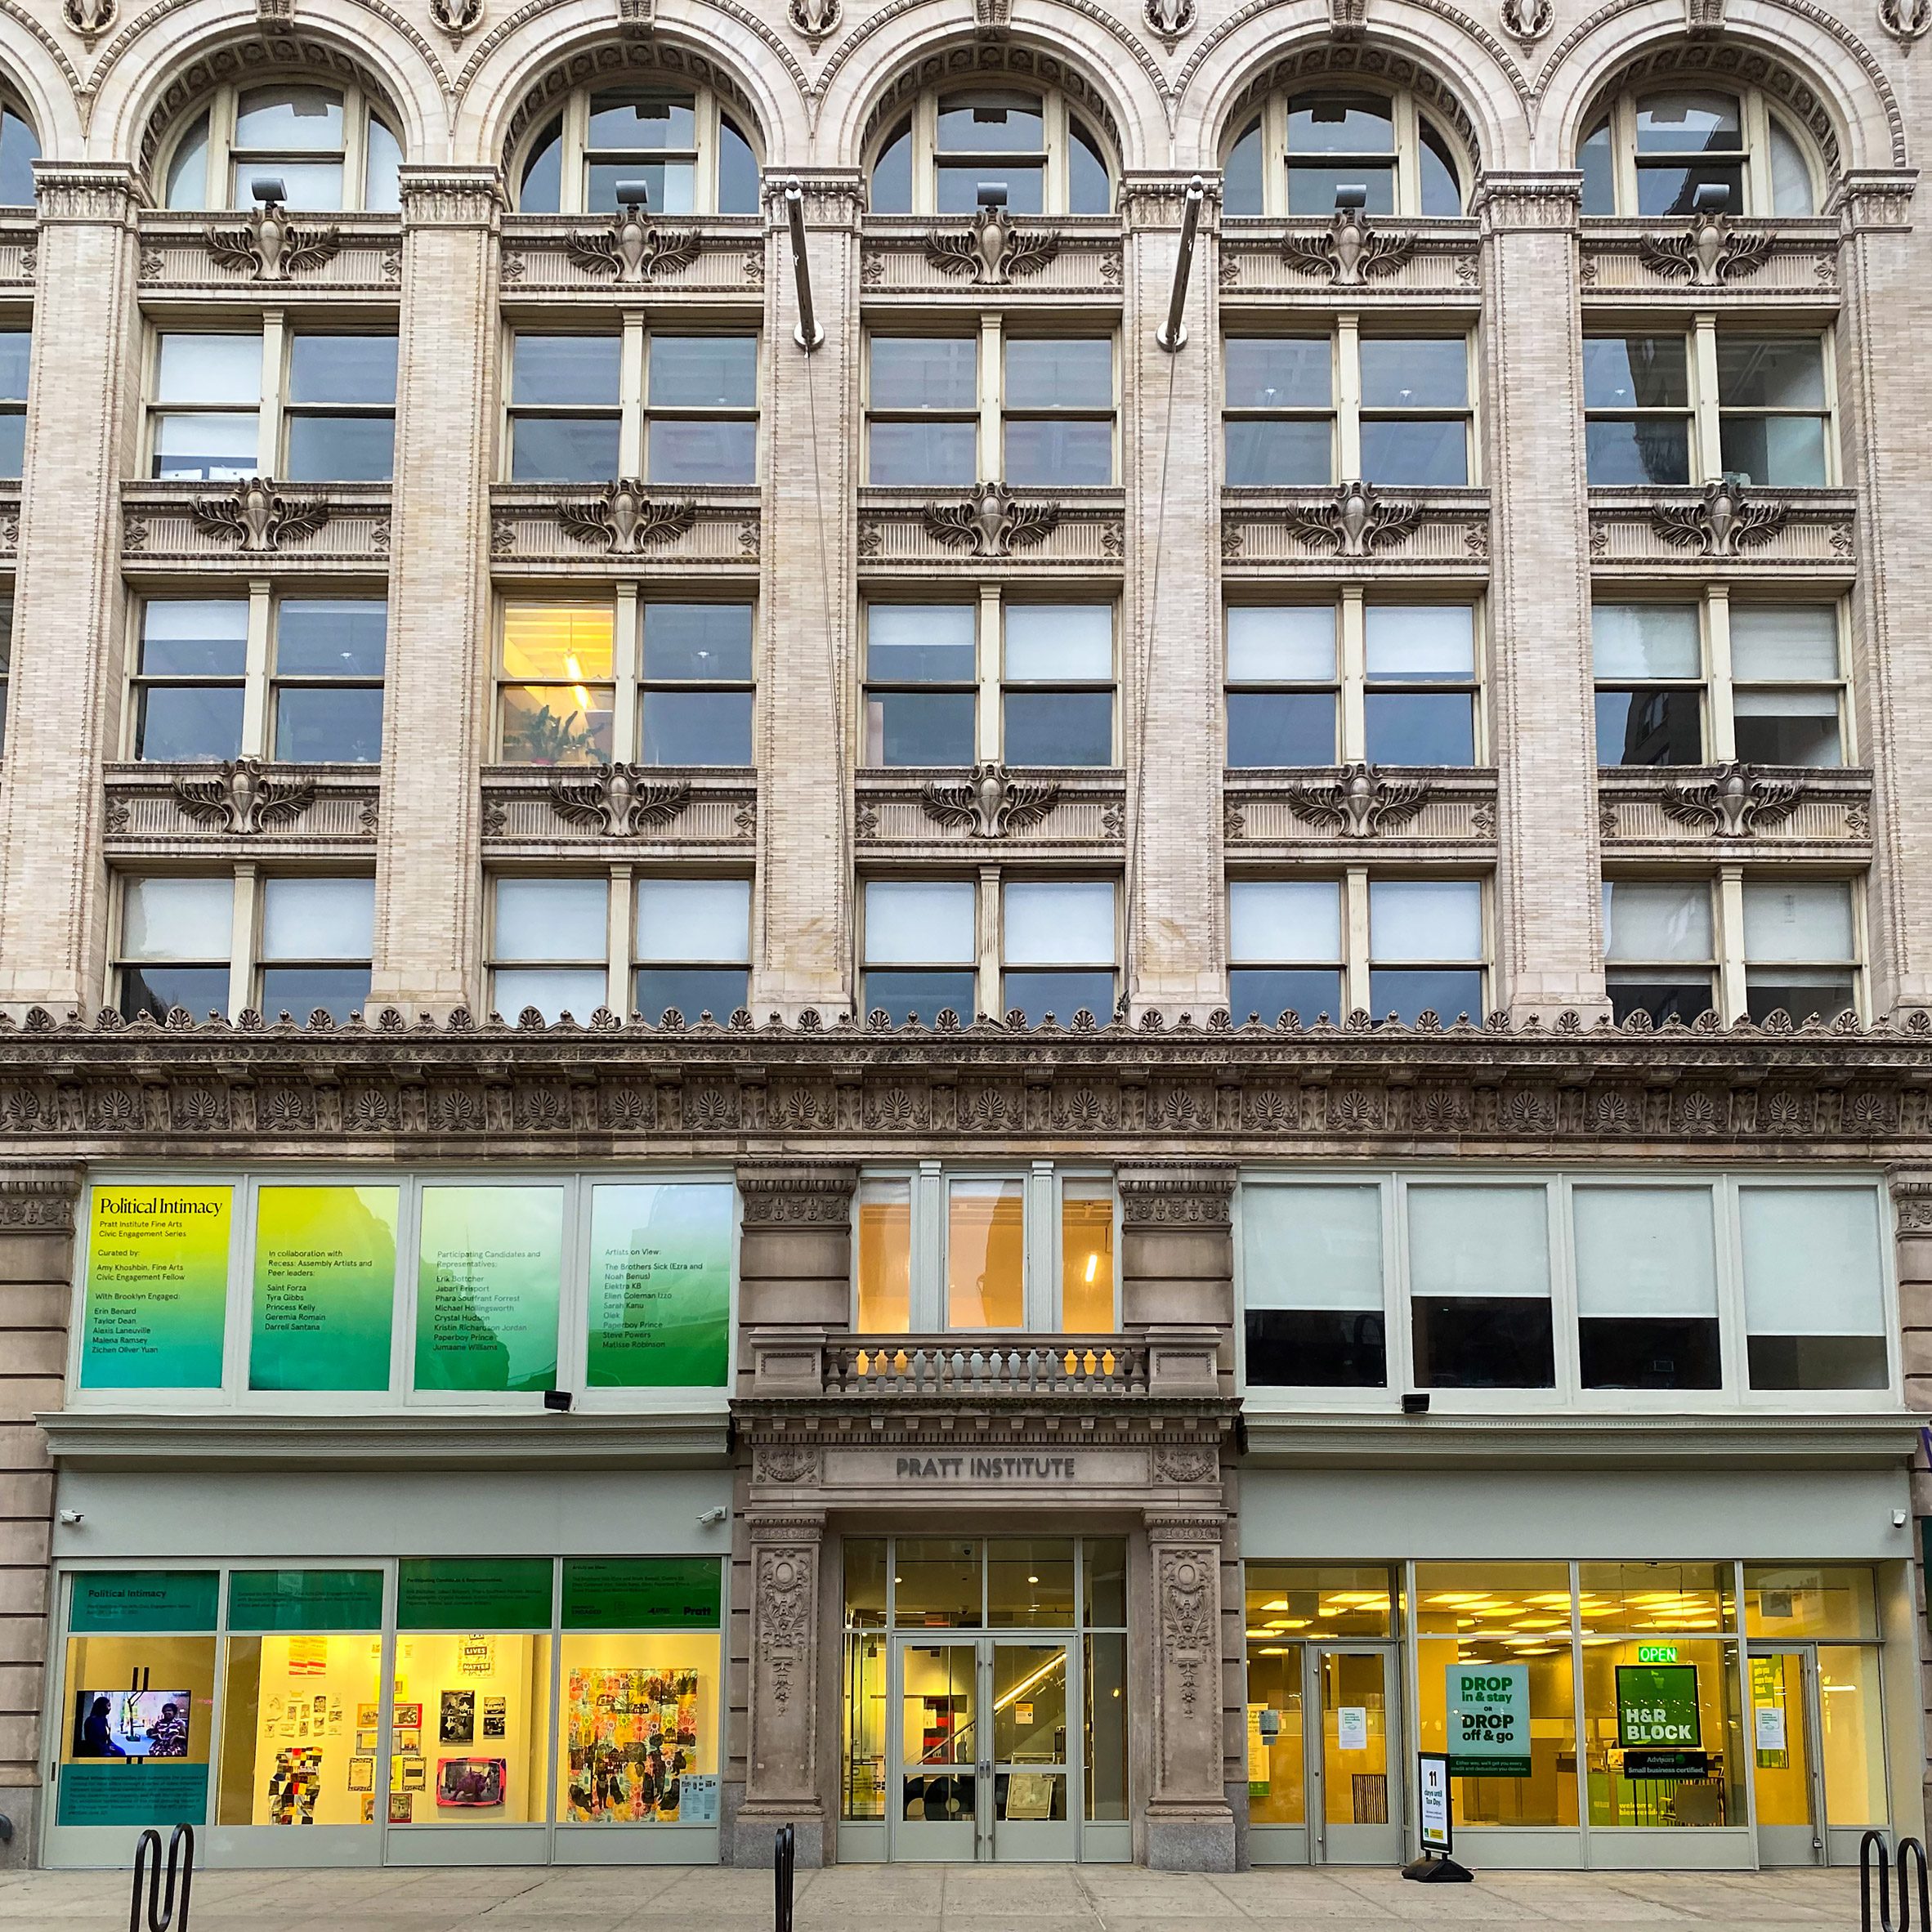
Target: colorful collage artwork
[[633, 1737]]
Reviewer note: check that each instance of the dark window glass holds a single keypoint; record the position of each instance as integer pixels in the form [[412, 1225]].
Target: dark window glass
[[558, 370], [1262, 454], [156, 990], [1817, 1361], [322, 724], [1662, 995], [1307, 992], [341, 449], [1672, 189], [1787, 451], [1311, 186], [643, 118], [563, 450], [189, 722], [926, 995], [891, 175], [1441, 191], [1639, 371], [1598, 160], [1419, 727], [1637, 450], [705, 642], [13, 441], [298, 991], [1318, 1348], [936, 454], [1408, 991], [1280, 727], [1425, 454], [19, 150], [1657, 725], [1089, 190], [711, 372], [1468, 1342], [342, 368], [959, 184], [1059, 727], [331, 638], [1069, 454], [1802, 739], [1240, 178], [542, 192], [919, 727], [1063, 993], [1627, 1353], [719, 990], [1823, 994], [697, 727]]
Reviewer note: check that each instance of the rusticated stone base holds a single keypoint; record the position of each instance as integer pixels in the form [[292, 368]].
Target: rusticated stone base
[[1191, 1840]]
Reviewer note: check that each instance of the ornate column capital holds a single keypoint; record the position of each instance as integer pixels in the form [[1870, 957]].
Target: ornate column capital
[[1868, 198], [40, 1197], [1548, 201], [91, 191], [1911, 1198], [451, 197], [1176, 1194], [1151, 198], [797, 1194], [834, 196]]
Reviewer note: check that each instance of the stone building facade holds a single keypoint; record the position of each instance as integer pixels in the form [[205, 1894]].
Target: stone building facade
[[992, 923]]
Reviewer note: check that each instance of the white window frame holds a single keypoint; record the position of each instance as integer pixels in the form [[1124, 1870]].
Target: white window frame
[[1755, 117], [1406, 118], [1568, 1395], [1055, 111], [221, 102], [572, 180], [1043, 1183]]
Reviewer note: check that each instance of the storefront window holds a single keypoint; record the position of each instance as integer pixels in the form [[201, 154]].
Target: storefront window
[[324, 1288], [1030, 1584], [488, 1280], [936, 1583], [301, 1698], [1801, 1600], [1851, 1736], [1495, 1689], [472, 1719], [1103, 1567], [1657, 1596], [138, 1719], [1663, 1735]]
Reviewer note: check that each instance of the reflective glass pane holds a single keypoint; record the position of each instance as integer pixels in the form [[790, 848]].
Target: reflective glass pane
[[1058, 922], [1267, 454], [1799, 919], [704, 371], [1060, 373], [1312, 186], [986, 1253], [15, 344], [563, 449], [188, 723], [20, 149], [923, 995], [1269, 991], [706, 642], [642, 118], [552, 370], [290, 119], [920, 728], [1640, 450], [697, 727], [158, 990], [959, 183], [693, 990], [936, 1581], [924, 922], [323, 724], [1597, 158], [342, 368], [991, 121], [708, 919], [1408, 993], [556, 724], [1662, 725], [1414, 727], [1418, 643], [892, 176], [1429, 374], [1089, 189], [1047, 642], [176, 919], [1281, 644], [669, 186], [1646, 372], [720, 453], [551, 918], [1278, 371], [1087, 1257], [1664, 993], [1646, 641], [305, 184], [1787, 452], [1339, 123], [1058, 727], [1030, 1584], [209, 368], [317, 919], [1787, 727], [1429, 454], [559, 640], [1042, 454], [1796, 1601], [1791, 174], [885, 1308], [542, 189], [1241, 174], [1441, 192], [341, 449], [1415, 920], [936, 454], [1687, 123], [1756, 371], [1063, 995], [1281, 921], [1279, 728], [331, 636], [195, 636], [1658, 919], [1783, 643], [552, 991], [737, 170], [300, 990], [382, 176]]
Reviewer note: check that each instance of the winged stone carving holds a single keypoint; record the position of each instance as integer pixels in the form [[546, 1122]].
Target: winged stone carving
[[1355, 521], [816, 19], [633, 249], [1735, 802], [1708, 253], [1349, 252], [991, 249], [270, 247], [990, 802], [620, 801], [1359, 802], [625, 518], [991, 522], [257, 516], [242, 798], [1721, 522]]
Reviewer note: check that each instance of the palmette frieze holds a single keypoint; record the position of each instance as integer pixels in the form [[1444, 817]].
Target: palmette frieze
[[20, 255], [1753, 531], [150, 809], [1747, 811], [225, 256], [1391, 811], [167, 525]]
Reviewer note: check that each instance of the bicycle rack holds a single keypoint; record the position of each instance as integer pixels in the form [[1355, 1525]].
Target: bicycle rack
[[181, 1848], [1909, 1849]]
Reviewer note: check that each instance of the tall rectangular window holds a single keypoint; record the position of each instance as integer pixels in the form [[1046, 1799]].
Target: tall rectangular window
[[1416, 411], [1660, 947], [1647, 1287], [1637, 409], [921, 684], [1283, 686], [189, 682], [340, 414], [921, 951], [986, 1253], [885, 1258], [555, 685], [550, 946], [565, 408], [1419, 703], [1787, 685], [1312, 1274], [693, 947], [1058, 399], [316, 938], [1087, 1305], [1801, 948], [1479, 1287], [1649, 672], [1813, 1287], [697, 683], [1279, 400], [1285, 951], [1425, 948], [206, 419], [700, 400], [15, 345], [1058, 949], [176, 935], [329, 658], [1773, 415], [922, 410], [1057, 704]]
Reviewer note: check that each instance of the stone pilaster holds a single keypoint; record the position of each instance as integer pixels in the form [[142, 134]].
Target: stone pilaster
[[1912, 1220], [1171, 732], [795, 1252], [1189, 1823], [429, 879], [83, 437], [782, 1724], [807, 700], [1549, 941], [1177, 1248], [1884, 263], [37, 1206]]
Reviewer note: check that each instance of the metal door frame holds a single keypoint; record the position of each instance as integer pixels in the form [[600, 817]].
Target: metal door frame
[[1314, 1732], [1806, 1652]]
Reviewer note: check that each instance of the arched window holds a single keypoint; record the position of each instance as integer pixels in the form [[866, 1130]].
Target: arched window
[[327, 146], [1291, 157], [20, 149], [690, 150], [1034, 145], [1650, 153]]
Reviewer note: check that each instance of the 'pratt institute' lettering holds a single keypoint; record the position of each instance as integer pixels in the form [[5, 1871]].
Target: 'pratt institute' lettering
[[985, 1469]]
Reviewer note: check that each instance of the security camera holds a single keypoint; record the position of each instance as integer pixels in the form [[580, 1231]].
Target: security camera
[[1898, 1519], [70, 1517], [710, 1517], [265, 188]]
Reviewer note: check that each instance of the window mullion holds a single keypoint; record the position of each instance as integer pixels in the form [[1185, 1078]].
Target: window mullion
[[576, 138], [1347, 380], [354, 147], [1730, 942], [1354, 668], [1355, 957], [1704, 399], [275, 362], [991, 659], [243, 940], [992, 442], [617, 946], [1755, 129], [927, 1315], [631, 379], [1623, 131], [221, 144], [988, 937], [704, 199], [1041, 1250], [1055, 189], [255, 695], [1717, 620], [627, 676], [925, 154], [1408, 155]]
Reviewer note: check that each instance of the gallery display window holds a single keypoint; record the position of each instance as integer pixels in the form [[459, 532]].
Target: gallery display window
[[240, 1290]]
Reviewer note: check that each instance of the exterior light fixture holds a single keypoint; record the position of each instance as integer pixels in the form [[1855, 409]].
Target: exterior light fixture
[[1350, 195], [634, 195], [1711, 198], [268, 187]]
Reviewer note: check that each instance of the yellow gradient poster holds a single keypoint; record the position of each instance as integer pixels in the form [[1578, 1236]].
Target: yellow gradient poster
[[157, 1287], [324, 1288]]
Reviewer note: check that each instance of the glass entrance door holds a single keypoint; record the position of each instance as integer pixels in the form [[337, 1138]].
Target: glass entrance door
[[1354, 1794], [1034, 1800], [1791, 1810], [936, 1781]]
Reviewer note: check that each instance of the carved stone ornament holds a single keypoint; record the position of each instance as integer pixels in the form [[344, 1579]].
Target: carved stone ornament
[[788, 1464], [991, 522], [1186, 1462], [786, 1581], [1906, 20], [1350, 252], [1709, 252], [633, 249], [1359, 804], [257, 516], [991, 249], [90, 19], [1736, 801], [456, 17], [1347, 19], [1168, 20], [272, 247], [1722, 522], [991, 803], [625, 518], [787, 1195], [620, 801], [1187, 1617], [241, 798], [1357, 522], [1528, 21], [816, 19], [991, 18]]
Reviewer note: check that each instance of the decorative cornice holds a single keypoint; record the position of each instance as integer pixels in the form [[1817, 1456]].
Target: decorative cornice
[[94, 191], [1874, 198], [39, 1198], [785, 1194], [1510, 203], [1175, 1194], [451, 197]]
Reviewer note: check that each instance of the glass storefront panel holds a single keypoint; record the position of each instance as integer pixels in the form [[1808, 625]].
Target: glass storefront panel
[[636, 1740], [862, 1767], [1851, 1734], [1103, 1561], [1290, 1600], [936, 1583], [1781, 1729], [1030, 1585], [1104, 1682], [1794, 1600], [469, 1742], [1659, 1596], [865, 1583], [938, 1743], [1355, 1734], [299, 1729], [1663, 1733], [1277, 1766], [1519, 1603], [136, 1729]]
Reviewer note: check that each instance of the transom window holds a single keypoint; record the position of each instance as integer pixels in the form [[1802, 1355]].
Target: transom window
[[1321, 408], [1760, 941], [670, 408], [688, 661], [328, 147], [296, 404], [945, 411], [1041, 946], [1387, 683], [688, 945], [219, 943], [16, 345], [940, 1250], [688, 151], [1706, 682], [1034, 148], [1564, 1282], [1027, 683], [1295, 155], [297, 678], [1393, 947], [1697, 407], [1677, 150]]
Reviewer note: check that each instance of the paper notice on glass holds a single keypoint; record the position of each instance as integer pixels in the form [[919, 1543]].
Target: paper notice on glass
[[1770, 1727], [698, 1800], [1351, 1728]]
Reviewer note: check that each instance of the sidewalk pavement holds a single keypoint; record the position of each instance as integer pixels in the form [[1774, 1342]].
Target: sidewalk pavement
[[942, 1898]]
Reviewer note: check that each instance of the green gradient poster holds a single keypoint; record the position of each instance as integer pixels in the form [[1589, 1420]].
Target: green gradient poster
[[157, 1287], [488, 1265], [660, 1285], [324, 1287]]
